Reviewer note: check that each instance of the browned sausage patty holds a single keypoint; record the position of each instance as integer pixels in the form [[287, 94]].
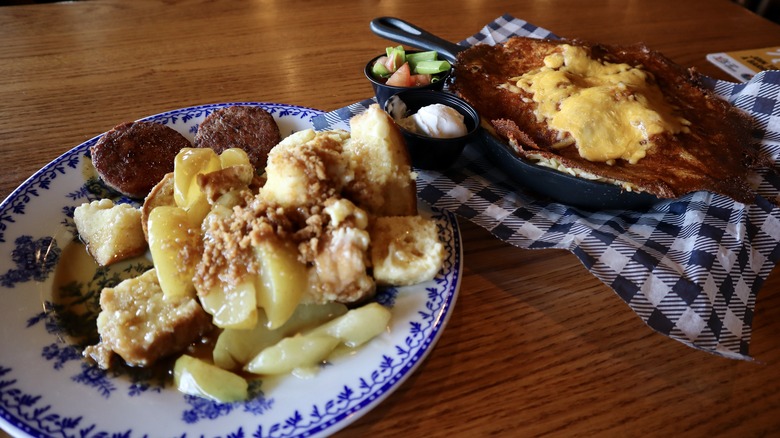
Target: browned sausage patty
[[134, 156], [250, 128]]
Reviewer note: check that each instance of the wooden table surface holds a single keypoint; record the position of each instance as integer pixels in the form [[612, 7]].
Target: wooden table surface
[[536, 345]]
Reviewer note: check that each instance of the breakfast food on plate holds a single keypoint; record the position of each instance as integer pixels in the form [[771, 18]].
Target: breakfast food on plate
[[321, 189], [111, 232], [250, 128], [134, 156], [625, 115], [282, 271], [141, 325]]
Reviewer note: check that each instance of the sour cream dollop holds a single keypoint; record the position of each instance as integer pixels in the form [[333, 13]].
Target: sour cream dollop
[[437, 120]]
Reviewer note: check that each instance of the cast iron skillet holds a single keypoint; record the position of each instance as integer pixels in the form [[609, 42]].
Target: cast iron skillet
[[559, 186]]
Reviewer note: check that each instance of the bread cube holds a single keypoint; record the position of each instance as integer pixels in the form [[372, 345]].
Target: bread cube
[[405, 250], [141, 325], [111, 232], [384, 184], [305, 169]]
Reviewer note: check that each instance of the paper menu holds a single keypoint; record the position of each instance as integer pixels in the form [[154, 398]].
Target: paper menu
[[744, 64]]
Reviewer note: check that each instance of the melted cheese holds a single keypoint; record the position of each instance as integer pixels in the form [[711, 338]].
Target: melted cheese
[[611, 111]]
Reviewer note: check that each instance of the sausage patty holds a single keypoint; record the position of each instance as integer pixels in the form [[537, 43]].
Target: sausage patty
[[134, 156], [250, 128]]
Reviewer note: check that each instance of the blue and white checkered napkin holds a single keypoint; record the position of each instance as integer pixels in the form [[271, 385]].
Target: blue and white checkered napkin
[[690, 267]]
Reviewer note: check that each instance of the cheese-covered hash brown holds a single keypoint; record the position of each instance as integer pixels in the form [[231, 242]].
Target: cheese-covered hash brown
[[626, 115]]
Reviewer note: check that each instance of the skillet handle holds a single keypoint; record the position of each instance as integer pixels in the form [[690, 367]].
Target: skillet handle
[[400, 31]]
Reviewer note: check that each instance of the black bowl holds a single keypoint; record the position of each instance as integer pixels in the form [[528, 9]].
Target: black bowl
[[383, 91], [436, 153]]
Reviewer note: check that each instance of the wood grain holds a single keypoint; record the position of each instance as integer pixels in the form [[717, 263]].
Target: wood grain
[[536, 345]]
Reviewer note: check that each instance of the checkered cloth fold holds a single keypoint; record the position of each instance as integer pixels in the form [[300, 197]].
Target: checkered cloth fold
[[690, 268]]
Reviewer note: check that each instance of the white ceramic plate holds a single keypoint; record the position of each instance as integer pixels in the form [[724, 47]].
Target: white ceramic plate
[[47, 390]]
